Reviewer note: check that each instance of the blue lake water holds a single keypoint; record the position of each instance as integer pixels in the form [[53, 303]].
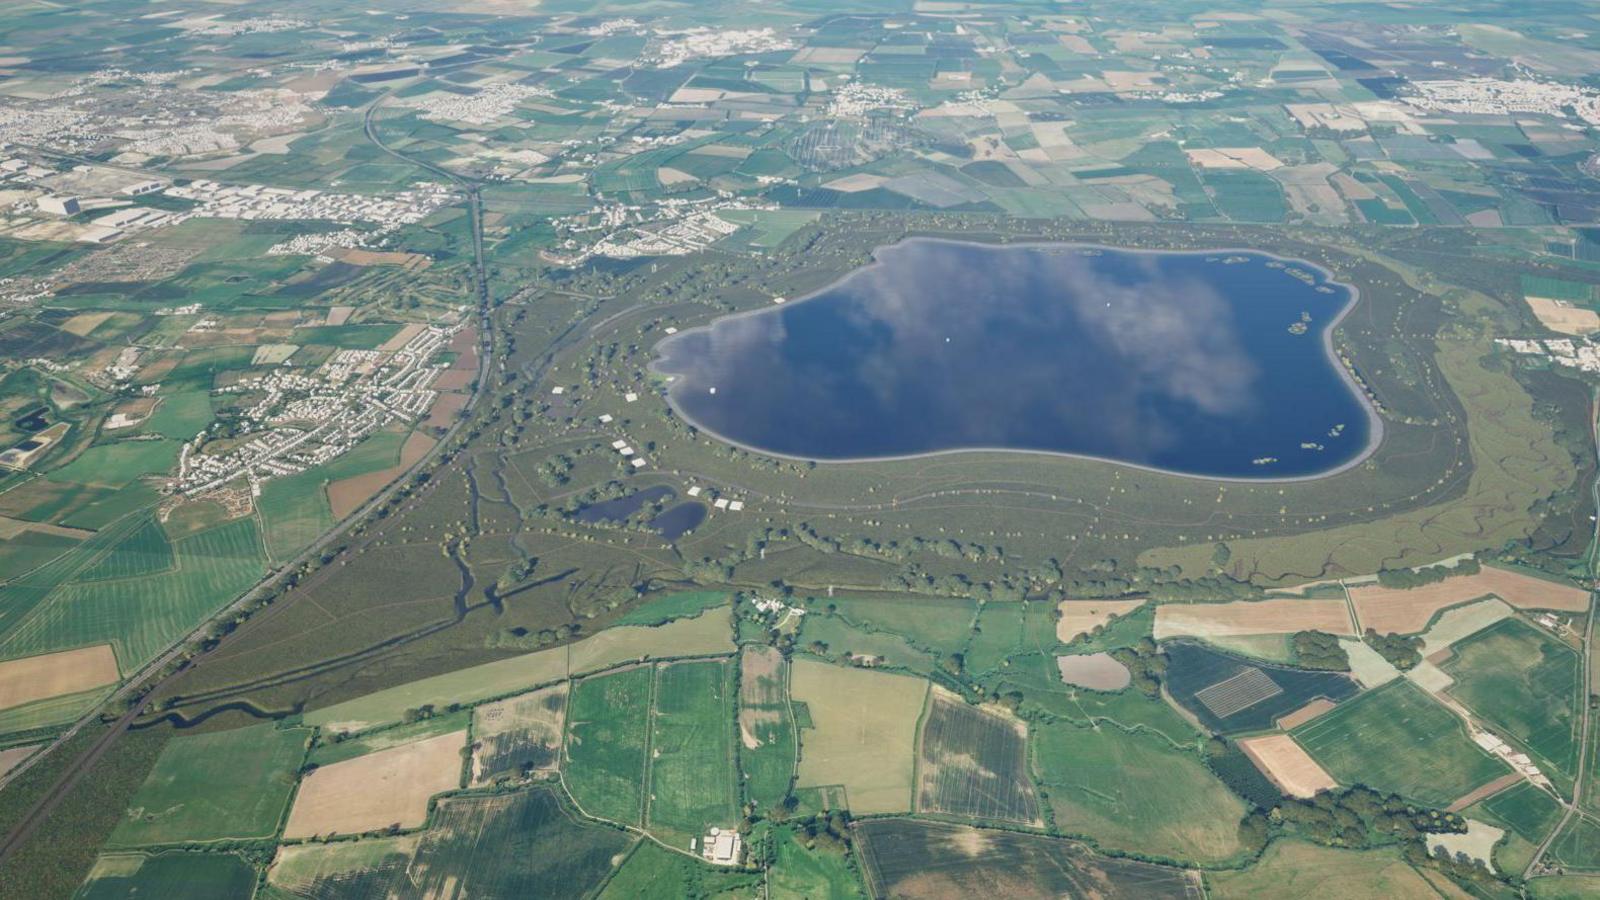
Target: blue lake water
[[1212, 364]]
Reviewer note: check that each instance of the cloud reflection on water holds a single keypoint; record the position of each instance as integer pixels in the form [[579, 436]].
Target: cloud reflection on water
[[942, 345]]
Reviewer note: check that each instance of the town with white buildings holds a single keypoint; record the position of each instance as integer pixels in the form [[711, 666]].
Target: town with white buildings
[[302, 420]]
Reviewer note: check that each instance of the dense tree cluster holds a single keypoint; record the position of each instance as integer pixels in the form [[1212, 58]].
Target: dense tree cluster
[[1147, 662], [1410, 578], [1403, 651], [1319, 650]]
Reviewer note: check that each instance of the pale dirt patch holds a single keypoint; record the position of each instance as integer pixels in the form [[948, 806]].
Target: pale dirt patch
[[401, 338], [537, 717], [1408, 610], [10, 757], [415, 262], [1561, 316], [273, 354], [1478, 843], [760, 676], [1463, 621], [696, 95], [338, 315], [83, 323], [1096, 671], [56, 674], [444, 409], [453, 380], [850, 184], [1287, 764], [346, 495], [1367, 665], [1280, 616], [669, 176], [727, 151], [1351, 189], [828, 55], [1305, 713], [1429, 677], [10, 528], [377, 790], [1079, 617]]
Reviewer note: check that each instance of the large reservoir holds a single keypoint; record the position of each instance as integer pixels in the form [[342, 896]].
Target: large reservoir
[[1213, 364]]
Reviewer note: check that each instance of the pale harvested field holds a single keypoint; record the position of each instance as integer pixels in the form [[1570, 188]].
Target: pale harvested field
[[1290, 767], [453, 380], [760, 691], [83, 323], [1305, 713], [444, 410], [377, 790], [1563, 317], [401, 338], [1280, 616], [346, 495], [537, 717], [1462, 621], [56, 674], [865, 735], [11, 756], [707, 634], [1408, 610], [1096, 671], [1081, 616]]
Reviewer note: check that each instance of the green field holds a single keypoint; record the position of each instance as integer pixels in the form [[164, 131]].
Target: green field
[[139, 616], [171, 874], [180, 415], [1099, 784], [523, 844], [1295, 868], [1577, 848], [692, 766], [294, 512], [221, 785], [832, 637], [608, 722], [819, 873], [1523, 683], [115, 465], [1525, 809], [940, 624], [146, 551], [660, 610], [1397, 738], [653, 872], [765, 721]]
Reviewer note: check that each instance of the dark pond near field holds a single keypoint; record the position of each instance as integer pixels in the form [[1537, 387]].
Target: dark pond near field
[[678, 521], [672, 523], [620, 509], [1203, 363], [34, 419]]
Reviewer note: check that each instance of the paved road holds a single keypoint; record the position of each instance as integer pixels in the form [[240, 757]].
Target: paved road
[[152, 675]]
